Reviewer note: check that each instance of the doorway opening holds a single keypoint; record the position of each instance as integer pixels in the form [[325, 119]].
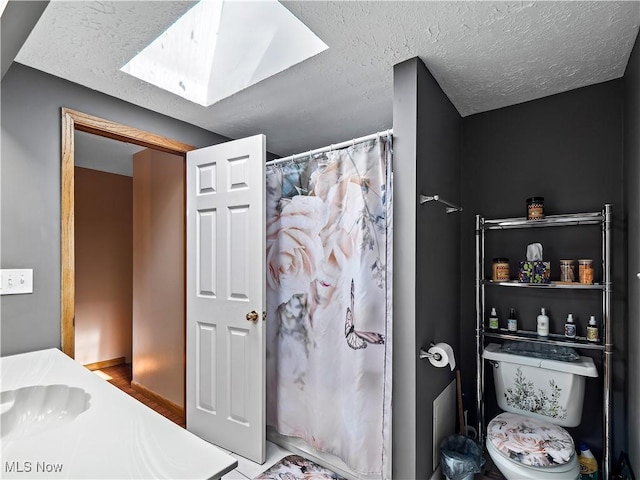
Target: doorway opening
[[73, 122]]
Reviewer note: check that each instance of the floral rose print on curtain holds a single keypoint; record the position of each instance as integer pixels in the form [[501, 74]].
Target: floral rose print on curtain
[[328, 291]]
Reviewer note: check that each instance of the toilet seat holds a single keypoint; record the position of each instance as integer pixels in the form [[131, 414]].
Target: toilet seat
[[531, 442], [517, 471]]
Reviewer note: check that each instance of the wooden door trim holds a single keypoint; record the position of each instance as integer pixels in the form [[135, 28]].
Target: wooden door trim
[[71, 121]]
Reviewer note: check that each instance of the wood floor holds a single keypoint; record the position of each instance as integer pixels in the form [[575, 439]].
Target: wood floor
[[120, 376]]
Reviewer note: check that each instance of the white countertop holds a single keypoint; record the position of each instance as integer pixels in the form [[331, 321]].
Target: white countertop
[[116, 437]]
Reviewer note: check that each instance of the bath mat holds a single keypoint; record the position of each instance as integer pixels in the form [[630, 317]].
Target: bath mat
[[296, 467]]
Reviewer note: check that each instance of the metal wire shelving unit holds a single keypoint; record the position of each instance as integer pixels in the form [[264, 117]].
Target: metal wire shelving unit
[[603, 218]]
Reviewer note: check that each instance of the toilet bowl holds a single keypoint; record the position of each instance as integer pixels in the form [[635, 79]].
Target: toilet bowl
[[538, 397]]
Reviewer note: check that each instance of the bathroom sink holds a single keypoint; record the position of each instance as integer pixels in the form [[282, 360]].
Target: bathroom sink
[[30, 410]]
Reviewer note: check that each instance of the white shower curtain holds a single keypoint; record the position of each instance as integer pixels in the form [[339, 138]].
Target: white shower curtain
[[329, 303]]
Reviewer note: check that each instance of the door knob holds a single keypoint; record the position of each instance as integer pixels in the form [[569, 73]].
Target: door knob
[[252, 316]]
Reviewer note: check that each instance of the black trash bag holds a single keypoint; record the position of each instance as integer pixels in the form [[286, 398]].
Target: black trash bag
[[460, 457]]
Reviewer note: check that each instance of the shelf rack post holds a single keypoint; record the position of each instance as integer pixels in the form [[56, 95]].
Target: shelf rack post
[[608, 346], [479, 328]]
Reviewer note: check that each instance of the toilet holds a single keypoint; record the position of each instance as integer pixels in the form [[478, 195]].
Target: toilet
[[538, 397]]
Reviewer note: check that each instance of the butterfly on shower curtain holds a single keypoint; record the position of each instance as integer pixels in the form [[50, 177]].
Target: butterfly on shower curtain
[[355, 338]]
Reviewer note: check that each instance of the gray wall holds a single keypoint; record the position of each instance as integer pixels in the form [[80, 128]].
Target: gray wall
[[18, 19], [568, 149], [426, 261], [632, 194], [404, 286], [30, 190]]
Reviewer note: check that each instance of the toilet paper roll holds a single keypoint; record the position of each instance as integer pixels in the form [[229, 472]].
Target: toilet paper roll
[[445, 352]]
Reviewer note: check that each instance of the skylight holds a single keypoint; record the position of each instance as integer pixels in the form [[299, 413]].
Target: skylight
[[219, 48]]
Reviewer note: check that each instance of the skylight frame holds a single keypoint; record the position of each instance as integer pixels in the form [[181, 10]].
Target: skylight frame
[[221, 47]]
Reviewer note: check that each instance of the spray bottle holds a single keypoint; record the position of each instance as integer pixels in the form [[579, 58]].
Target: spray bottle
[[570, 327], [592, 330]]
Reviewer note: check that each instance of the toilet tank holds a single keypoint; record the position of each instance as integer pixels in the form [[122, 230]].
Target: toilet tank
[[548, 389]]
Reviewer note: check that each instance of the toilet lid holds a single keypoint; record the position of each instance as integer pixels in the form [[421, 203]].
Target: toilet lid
[[530, 441]]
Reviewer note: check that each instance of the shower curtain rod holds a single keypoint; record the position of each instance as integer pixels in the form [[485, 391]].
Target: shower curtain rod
[[334, 146]]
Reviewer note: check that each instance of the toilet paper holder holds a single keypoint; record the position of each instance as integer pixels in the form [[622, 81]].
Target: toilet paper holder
[[424, 354]]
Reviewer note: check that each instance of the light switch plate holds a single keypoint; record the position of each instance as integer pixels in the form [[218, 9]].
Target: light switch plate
[[16, 281]]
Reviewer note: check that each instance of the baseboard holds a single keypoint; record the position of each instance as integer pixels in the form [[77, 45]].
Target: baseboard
[[105, 363], [159, 399]]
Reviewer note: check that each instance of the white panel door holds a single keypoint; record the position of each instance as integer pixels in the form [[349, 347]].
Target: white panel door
[[226, 296]]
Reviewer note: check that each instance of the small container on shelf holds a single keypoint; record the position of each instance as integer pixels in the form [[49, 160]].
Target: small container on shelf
[[512, 321], [534, 269], [537, 271], [500, 269], [535, 208], [585, 271], [570, 327], [592, 330], [493, 319], [543, 324], [567, 274]]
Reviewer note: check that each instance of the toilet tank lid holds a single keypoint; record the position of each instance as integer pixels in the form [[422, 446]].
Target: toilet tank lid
[[583, 366]]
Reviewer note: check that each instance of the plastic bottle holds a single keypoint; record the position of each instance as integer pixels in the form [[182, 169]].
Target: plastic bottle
[[512, 321], [588, 463], [570, 327], [493, 319], [543, 324], [592, 330]]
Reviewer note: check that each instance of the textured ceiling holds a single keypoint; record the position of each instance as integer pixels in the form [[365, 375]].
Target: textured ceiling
[[485, 55]]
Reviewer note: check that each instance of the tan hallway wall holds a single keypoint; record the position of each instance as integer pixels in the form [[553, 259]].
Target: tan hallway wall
[[158, 273], [104, 265]]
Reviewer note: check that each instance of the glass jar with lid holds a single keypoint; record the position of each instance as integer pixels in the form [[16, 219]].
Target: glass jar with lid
[[500, 269], [535, 208], [567, 274], [585, 271]]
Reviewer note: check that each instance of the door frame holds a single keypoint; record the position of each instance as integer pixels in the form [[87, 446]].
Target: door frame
[[71, 121]]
